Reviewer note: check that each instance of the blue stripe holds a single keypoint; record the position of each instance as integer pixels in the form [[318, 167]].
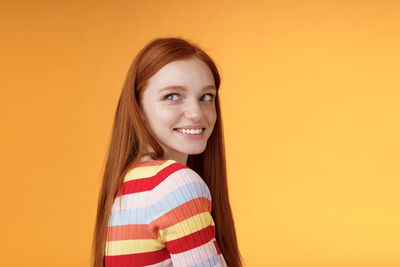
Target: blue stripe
[[131, 216], [179, 196], [174, 199], [214, 262]]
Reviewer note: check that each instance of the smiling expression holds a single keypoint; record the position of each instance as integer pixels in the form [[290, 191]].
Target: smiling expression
[[178, 105]]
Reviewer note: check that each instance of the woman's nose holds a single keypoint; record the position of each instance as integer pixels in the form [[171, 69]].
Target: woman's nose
[[193, 110]]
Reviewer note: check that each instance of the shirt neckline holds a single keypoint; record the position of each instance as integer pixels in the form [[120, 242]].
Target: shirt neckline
[[146, 158]]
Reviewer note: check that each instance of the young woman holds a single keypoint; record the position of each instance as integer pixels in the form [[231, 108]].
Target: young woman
[[164, 196]]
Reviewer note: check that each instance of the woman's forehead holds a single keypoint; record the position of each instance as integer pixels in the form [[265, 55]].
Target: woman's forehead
[[184, 73]]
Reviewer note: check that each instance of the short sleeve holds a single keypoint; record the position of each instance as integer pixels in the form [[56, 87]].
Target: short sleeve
[[181, 217]]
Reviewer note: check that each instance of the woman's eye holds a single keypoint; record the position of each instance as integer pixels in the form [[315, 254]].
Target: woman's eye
[[204, 97], [211, 96], [169, 96]]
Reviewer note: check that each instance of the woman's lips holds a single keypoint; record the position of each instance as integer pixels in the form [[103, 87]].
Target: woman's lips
[[188, 135]]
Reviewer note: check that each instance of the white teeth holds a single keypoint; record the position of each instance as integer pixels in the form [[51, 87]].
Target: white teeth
[[190, 131]]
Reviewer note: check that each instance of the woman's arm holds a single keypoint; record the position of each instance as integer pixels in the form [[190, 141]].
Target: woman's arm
[[181, 216]]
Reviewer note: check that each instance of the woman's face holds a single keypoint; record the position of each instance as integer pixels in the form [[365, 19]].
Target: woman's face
[[179, 106]]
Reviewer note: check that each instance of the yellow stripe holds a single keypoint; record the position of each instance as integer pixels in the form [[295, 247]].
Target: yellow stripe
[[123, 247], [145, 171], [187, 227]]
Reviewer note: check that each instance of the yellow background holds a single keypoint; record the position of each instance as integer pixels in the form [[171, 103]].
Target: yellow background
[[310, 101]]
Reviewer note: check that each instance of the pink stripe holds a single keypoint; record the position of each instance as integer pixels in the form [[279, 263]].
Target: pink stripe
[[139, 200]]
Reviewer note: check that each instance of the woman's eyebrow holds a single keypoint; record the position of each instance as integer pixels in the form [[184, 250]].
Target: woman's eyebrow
[[209, 87], [174, 87], [180, 87]]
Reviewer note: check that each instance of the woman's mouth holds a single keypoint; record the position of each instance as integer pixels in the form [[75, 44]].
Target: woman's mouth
[[190, 132]]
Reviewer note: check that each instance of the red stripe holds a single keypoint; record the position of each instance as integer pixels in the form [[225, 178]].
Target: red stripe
[[139, 259], [147, 184], [130, 231], [191, 241], [217, 247]]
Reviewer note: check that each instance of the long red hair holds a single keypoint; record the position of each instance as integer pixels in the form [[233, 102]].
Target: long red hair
[[130, 136]]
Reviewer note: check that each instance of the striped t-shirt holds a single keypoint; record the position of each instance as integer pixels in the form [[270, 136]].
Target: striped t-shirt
[[162, 217]]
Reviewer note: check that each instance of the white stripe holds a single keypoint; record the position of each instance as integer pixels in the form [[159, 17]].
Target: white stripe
[[222, 260], [130, 201], [141, 200]]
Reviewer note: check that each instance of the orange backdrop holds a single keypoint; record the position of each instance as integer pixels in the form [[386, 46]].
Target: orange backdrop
[[310, 101]]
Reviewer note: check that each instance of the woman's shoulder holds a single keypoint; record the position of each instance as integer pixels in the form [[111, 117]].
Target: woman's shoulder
[[176, 185], [159, 170], [147, 167], [178, 181], [164, 173]]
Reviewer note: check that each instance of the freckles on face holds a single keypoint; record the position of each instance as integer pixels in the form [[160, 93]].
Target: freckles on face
[[181, 95]]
